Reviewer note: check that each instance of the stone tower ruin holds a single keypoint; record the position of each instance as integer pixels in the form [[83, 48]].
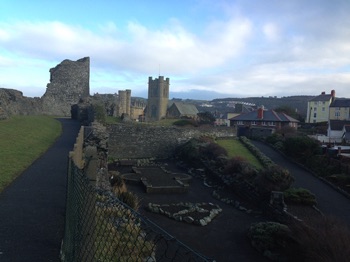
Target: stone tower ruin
[[123, 102], [158, 96], [69, 82]]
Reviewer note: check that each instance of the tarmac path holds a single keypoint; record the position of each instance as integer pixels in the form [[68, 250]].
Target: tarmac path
[[32, 208], [329, 201]]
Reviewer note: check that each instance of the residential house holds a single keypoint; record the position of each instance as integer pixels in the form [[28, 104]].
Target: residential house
[[336, 130], [182, 110], [224, 119], [318, 108], [340, 109], [262, 122], [339, 119]]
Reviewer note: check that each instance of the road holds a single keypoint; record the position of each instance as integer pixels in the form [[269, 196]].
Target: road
[[32, 208], [329, 200]]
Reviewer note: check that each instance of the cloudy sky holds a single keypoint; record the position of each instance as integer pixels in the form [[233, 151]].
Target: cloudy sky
[[208, 48]]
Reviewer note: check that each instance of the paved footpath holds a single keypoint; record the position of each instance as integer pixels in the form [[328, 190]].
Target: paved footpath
[[32, 208], [329, 201]]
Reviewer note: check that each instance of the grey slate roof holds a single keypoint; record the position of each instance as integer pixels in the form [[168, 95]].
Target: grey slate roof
[[268, 116], [338, 124], [322, 97], [186, 109], [341, 102]]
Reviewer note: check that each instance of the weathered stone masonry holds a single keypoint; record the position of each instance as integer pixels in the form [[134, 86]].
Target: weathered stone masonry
[[132, 141], [69, 82], [12, 102]]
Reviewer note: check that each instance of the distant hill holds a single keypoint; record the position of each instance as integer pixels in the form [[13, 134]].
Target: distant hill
[[225, 105], [298, 103]]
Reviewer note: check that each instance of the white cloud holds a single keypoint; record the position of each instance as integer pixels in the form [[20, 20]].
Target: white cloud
[[271, 32], [175, 48], [284, 48]]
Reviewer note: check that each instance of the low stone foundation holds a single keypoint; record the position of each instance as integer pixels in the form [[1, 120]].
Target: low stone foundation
[[158, 180], [192, 213]]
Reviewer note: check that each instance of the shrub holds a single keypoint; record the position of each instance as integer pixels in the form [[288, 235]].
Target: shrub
[[323, 167], [299, 196], [130, 199], [100, 114], [196, 150], [301, 148], [274, 138], [235, 165], [213, 151], [189, 153], [240, 169], [273, 178], [279, 146], [206, 118], [321, 239], [339, 178], [270, 238], [264, 160]]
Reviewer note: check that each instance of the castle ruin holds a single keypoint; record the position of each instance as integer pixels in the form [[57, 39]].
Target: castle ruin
[[158, 97], [69, 82], [123, 103]]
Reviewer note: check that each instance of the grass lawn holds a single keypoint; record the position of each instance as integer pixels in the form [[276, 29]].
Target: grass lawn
[[235, 148], [22, 140], [112, 120]]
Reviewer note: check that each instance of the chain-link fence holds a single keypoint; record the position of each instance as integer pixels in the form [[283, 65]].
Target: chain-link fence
[[99, 227]]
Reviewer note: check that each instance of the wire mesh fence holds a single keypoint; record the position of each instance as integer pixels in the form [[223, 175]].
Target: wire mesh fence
[[99, 227]]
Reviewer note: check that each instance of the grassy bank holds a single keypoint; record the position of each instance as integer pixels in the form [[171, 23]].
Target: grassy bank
[[235, 148], [22, 140]]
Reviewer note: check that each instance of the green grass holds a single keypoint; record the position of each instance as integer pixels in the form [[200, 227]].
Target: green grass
[[235, 148], [22, 140], [113, 120]]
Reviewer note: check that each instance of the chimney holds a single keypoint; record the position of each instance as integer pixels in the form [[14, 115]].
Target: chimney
[[261, 112], [333, 95], [323, 93]]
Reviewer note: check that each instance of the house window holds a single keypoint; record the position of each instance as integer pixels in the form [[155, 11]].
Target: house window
[[323, 103], [271, 123], [337, 113], [263, 123], [315, 115], [253, 123], [315, 108], [323, 109], [315, 103]]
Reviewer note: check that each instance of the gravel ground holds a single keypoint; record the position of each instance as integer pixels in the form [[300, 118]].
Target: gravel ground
[[224, 239]]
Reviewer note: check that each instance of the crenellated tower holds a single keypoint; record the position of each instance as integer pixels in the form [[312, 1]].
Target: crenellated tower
[[158, 96]]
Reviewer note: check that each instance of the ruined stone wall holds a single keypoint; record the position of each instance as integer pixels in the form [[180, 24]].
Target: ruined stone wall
[[69, 81], [143, 141], [108, 100], [136, 112], [12, 102]]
